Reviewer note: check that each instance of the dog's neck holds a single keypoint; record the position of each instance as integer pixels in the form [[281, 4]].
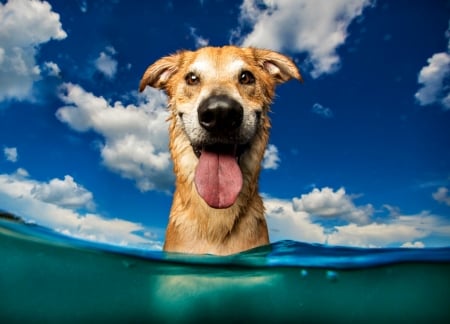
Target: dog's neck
[[194, 227]]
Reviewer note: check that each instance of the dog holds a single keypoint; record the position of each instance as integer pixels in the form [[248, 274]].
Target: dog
[[219, 99]]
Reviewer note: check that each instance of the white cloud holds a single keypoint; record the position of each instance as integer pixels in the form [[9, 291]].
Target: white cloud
[[330, 204], [287, 221], [52, 69], [271, 159], [433, 77], [64, 193], [416, 244], [24, 26], [374, 234], [400, 229], [11, 154], [442, 196], [446, 102], [322, 111], [21, 173], [106, 64], [135, 136], [317, 28], [17, 196], [199, 40]]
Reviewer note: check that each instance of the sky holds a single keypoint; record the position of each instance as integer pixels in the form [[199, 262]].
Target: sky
[[359, 154]]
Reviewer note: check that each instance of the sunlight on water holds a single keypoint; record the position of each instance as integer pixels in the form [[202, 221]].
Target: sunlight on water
[[46, 277]]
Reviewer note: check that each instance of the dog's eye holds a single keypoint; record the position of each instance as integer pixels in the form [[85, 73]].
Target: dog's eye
[[246, 77], [192, 79]]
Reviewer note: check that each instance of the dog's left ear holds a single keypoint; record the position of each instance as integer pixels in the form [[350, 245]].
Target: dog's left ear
[[159, 73], [280, 67]]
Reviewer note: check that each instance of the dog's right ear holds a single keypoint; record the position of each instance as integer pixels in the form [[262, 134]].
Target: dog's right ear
[[279, 66], [159, 73]]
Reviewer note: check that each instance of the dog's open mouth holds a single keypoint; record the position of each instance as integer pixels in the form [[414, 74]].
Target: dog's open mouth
[[218, 177]]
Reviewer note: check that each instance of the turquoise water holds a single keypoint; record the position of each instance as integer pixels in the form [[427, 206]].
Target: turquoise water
[[49, 278]]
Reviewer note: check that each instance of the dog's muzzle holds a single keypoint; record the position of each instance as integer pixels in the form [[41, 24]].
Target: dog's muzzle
[[218, 177]]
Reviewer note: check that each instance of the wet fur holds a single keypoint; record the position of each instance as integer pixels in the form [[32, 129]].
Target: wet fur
[[194, 227]]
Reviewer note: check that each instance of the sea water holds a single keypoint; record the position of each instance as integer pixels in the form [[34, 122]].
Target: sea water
[[50, 278]]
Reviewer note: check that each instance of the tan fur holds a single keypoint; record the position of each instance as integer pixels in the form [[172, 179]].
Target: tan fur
[[194, 227]]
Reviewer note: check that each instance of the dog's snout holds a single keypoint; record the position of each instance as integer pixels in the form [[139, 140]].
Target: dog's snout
[[220, 114]]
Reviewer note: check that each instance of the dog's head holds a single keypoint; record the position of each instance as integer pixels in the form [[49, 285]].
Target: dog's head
[[219, 97]]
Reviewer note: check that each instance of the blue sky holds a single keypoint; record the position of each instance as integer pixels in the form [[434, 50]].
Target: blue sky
[[359, 154]]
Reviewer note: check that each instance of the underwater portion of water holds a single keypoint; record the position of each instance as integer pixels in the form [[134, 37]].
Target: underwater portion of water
[[50, 278]]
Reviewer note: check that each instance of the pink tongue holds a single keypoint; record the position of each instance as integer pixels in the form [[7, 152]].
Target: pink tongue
[[218, 179]]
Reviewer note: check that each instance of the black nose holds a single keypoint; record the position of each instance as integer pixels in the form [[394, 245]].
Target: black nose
[[220, 114]]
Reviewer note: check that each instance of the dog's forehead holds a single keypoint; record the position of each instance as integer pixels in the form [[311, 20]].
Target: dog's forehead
[[222, 62]]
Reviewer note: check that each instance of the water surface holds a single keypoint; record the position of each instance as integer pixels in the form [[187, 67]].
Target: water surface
[[47, 277]]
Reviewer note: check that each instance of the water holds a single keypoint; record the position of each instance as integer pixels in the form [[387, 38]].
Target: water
[[50, 278]]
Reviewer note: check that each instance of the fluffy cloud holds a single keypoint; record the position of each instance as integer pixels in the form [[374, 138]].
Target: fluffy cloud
[[374, 234], [317, 28], [271, 159], [442, 196], [330, 204], [432, 77], [403, 228], [285, 223], [18, 194], [10, 154], [106, 64], [24, 25], [322, 111], [65, 193], [416, 244], [135, 136], [52, 69], [297, 220]]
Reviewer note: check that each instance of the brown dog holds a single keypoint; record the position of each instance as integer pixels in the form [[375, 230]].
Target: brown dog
[[219, 98]]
